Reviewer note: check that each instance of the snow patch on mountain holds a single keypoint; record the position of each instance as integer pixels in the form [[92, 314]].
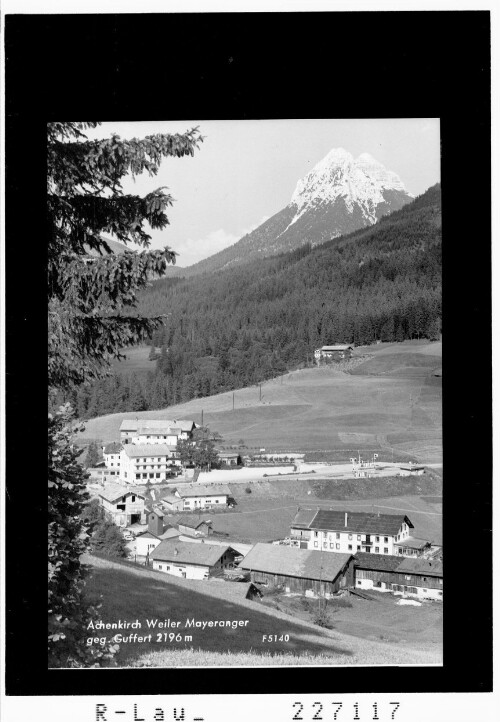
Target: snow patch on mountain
[[360, 182]]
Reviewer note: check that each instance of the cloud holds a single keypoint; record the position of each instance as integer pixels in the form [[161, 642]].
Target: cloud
[[191, 251]]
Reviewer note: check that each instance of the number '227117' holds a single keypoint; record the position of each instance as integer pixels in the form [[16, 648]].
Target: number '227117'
[[338, 711]]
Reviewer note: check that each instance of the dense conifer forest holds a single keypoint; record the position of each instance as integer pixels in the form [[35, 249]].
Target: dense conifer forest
[[248, 323]]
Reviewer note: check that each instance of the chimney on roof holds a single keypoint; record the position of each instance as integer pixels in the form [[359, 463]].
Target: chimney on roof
[[345, 520]]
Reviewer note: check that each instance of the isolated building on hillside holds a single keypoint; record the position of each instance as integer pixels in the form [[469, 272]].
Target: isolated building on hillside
[[299, 528], [140, 463], [419, 578], [335, 353], [299, 570], [350, 532], [122, 506], [194, 527], [155, 431], [411, 470], [203, 496], [111, 455], [193, 561]]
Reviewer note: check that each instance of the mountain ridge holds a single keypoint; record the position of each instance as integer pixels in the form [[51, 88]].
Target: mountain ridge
[[337, 196]]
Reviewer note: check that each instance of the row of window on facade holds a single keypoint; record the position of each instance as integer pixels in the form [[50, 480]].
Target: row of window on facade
[[349, 536], [349, 546]]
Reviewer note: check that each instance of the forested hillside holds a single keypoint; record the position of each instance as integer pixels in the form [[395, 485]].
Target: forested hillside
[[249, 323]]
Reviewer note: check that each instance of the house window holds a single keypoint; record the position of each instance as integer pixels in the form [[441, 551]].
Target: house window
[[316, 544], [386, 550], [157, 476], [315, 533], [133, 497], [337, 546], [358, 547], [425, 579], [377, 538], [151, 476], [337, 535], [377, 549], [137, 476], [359, 537], [160, 566], [349, 537], [349, 546], [325, 544], [386, 539], [168, 568], [144, 476], [216, 501], [440, 594], [332, 546]]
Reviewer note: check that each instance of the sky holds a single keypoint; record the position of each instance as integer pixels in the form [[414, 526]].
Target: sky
[[245, 171]]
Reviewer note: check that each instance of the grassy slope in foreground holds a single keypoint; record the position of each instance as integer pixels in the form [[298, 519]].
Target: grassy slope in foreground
[[392, 400], [130, 593]]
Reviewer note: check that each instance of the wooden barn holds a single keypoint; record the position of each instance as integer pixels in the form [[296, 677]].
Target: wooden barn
[[375, 571], [419, 578], [299, 570]]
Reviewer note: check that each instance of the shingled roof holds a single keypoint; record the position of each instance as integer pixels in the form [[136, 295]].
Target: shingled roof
[[192, 523], [113, 448], [359, 522], [425, 567], [112, 492], [189, 553], [303, 518], [156, 424], [203, 490], [135, 450], [376, 562], [293, 562]]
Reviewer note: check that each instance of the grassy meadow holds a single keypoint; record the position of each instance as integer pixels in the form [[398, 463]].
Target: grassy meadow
[[129, 593], [391, 401]]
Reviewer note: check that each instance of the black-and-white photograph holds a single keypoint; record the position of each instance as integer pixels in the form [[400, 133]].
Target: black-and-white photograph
[[245, 370]]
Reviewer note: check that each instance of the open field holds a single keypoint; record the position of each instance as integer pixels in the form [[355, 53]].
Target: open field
[[264, 516], [132, 593], [392, 401]]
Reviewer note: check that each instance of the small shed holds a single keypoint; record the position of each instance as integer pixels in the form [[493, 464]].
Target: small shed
[[299, 570]]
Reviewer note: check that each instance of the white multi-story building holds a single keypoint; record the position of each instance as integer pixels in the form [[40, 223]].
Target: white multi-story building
[[155, 431], [111, 455], [349, 532], [143, 463]]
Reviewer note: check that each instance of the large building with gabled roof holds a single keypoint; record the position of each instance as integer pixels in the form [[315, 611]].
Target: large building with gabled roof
[[349, 532], [155, 431]]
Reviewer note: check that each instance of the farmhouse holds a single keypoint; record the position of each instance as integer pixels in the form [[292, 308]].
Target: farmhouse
[[412, 577], [140, 463], [351, 532], [337, 353], [419, 578], [192, 561], [194, 527], [155, 431], [203, 496], [299, 570], [111, 455], [123, 506], [299, 529], [375, 571]]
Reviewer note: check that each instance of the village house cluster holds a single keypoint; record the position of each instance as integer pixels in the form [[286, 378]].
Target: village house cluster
[[327, 551]]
